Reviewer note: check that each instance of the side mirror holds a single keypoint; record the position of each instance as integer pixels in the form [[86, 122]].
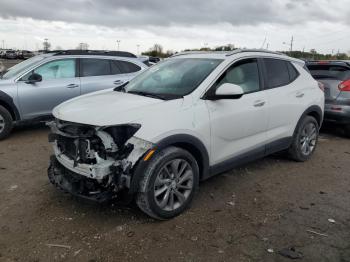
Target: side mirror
[[33, 78], [227, 91]]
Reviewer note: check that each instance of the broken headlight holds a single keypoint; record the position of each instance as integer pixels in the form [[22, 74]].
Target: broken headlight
[[122, 133]]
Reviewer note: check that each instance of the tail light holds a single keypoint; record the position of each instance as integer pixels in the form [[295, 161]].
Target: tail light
[[344, 86], [321, 86]]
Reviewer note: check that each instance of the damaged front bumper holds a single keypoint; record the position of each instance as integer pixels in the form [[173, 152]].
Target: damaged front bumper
[[94, 162]]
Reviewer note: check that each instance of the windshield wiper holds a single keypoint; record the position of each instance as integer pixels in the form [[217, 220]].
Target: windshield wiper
[[121, 88], [141, 93]]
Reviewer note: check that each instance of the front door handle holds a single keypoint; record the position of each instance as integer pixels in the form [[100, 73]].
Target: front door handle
[[118, 82], [72, 86], [299, 95], [259, 103]]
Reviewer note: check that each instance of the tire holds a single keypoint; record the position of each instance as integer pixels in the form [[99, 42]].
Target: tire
[[304, 139], [177, 195], [6, 123], [347, 131]]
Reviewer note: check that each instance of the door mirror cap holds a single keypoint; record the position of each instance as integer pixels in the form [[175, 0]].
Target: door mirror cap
[[227, 91], [33, 78]]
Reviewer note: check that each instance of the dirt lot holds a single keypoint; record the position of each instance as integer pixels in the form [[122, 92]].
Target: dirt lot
[[273, 203]]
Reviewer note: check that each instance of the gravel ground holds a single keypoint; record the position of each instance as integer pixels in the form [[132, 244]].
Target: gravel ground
[[247, 214]]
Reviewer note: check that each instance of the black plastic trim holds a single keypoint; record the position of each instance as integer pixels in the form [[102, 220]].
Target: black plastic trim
[[257, 153], [7, 101], [237, 161], [309, 111]]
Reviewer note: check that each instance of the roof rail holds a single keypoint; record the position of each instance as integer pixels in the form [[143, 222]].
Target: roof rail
[[93, 52], [192, 53], [237, 51], [228, 53]]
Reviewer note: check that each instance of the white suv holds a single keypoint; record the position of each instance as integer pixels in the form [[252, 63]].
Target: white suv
[[182, 121]]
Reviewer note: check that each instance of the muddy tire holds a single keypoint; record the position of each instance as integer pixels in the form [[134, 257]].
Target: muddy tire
[[168, 183], [6, 123], [305, 139]]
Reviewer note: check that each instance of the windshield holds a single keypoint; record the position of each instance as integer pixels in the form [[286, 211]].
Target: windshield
[[15, 70], [173, 78]]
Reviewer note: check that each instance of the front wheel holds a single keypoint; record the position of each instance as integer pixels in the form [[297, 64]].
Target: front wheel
[[168, 184], [304, 140], [6, 123]]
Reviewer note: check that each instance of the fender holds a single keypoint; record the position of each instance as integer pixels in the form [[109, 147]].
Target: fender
[[187, 142], [7, 102]]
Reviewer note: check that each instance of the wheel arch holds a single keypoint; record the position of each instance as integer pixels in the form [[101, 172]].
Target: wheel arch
[[315, 112], [187, 142], [6, 101]]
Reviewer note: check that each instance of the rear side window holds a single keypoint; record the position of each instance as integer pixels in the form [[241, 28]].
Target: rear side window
[[95, 67], [333, 72], [277, 73], [293, 73], [126, 67]]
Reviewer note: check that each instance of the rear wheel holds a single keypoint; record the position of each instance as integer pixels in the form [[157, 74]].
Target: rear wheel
[[168, 183], [304, 140], [6, 123]]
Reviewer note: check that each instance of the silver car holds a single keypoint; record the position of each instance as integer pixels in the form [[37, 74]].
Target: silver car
[[30, 90], [335, 77]]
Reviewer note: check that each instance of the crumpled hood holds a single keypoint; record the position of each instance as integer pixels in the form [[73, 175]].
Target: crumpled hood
[[108, 108]]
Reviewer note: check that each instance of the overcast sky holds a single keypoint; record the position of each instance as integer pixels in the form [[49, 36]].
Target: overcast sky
[[176, 25]]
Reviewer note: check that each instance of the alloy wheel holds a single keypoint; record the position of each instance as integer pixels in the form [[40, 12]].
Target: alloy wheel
[[173, 185], [308, 138]]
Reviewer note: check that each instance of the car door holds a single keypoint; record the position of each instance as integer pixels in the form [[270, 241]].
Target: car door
[[59, 83], [99, 73], [238, 126], [287, 94]]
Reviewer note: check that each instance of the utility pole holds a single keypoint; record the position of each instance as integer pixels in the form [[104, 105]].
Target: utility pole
[[118, 43], [3, 44], [138, 49], [291, 44]]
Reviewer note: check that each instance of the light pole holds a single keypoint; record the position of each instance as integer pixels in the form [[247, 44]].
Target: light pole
[[118, 43], [290, 44]]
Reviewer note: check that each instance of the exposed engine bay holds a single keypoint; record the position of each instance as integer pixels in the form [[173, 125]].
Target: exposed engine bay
[[94, 162]]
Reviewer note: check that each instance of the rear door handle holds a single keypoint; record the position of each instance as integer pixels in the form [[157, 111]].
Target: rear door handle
[[259, 103], [72, 86], [299, 95], [118, 82]]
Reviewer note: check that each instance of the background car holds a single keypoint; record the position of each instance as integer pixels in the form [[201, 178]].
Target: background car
[[10, 54], [24, 54], [335, 76], [31, 89]]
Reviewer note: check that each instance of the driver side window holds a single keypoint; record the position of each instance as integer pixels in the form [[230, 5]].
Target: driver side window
[[245, 74], [58, 69]]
